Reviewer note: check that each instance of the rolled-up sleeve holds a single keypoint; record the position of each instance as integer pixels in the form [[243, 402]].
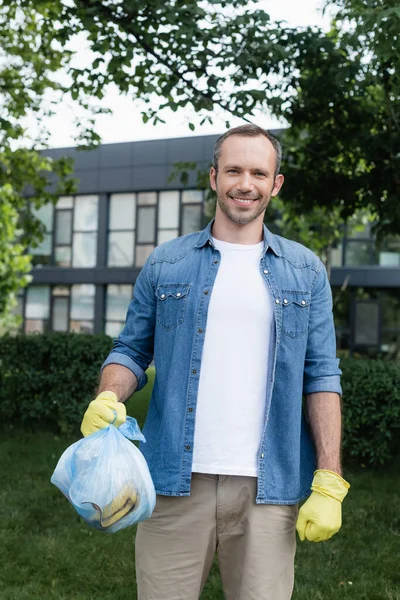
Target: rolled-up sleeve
[[321, 367], [134, 348]]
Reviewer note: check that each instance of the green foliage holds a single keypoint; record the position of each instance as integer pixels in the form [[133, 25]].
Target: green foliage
[[339, 92], [371, 410], [49, 378], [342, 148]]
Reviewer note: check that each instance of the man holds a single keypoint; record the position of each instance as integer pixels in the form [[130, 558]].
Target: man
[[239, 322]]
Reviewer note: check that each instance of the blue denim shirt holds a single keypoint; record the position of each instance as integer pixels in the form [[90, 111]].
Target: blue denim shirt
[[167, 320]]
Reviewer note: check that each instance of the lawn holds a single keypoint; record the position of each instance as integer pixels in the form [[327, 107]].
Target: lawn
[[48, 553]]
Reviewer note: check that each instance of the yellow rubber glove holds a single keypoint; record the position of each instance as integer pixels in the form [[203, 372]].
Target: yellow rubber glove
[[320, 517], [102, 412]]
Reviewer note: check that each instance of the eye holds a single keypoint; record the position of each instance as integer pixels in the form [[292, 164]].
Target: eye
[[232, 171], [260, 174]]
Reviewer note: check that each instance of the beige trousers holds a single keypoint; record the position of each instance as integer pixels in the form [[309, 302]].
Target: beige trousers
[[255, 543]]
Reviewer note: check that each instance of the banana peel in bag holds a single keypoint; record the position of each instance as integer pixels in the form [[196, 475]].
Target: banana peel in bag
[[121, 505], [106, 479]]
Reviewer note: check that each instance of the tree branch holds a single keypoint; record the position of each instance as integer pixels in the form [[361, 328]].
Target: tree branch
[[128, 21]]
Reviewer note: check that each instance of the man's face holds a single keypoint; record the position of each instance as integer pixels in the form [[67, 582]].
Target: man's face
[[245, 179]]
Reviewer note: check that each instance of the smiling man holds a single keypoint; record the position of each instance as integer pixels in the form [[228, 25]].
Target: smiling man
[[239, 322]]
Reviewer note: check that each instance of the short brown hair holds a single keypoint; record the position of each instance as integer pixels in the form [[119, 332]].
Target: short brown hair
[[248, 130]]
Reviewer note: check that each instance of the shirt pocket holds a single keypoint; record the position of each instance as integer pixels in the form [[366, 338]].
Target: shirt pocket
[[171, 304], [295, 313]]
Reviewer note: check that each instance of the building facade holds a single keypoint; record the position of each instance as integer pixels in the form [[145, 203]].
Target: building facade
[[126, 204]]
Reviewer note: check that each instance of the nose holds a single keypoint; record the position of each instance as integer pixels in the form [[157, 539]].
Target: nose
[[245, 183]]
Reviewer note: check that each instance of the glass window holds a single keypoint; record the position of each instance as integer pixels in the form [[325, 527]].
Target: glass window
[[85, 248], [60, 314], [35, 325], [63, 227], [122, 211], [86, 213], [191, 218], [359, 253], [146, 224], [192, 196], [367, 323], [65, 202], [45, 215], [82, 302], [62, 256], [142, 254], [168, 210], [81, 326], [389, 259], [42, 253], [114, 328], [38, 302], [167, 234], [146, 198], [337, 254], [117, 302], [120, 248], [60, 290]]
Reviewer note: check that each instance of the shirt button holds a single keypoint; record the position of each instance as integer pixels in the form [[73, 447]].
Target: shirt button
[[266, 271], [162, 295], [187, 447], [303, 302], [190, 409], [179, 294], [215, 262], [205, 293], [194, 371], [285, 301], [200, 330], [262, 455], [277, 301]]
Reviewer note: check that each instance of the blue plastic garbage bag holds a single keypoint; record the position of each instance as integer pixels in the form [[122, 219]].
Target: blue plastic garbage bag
[[106, 478]]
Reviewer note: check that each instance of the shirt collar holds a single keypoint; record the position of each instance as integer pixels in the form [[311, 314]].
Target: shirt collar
[[270, 240]]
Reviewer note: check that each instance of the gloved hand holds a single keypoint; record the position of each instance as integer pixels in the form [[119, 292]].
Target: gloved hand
[[320, 517], [102, 412]]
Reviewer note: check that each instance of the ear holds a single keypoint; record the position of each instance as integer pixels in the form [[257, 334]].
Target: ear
[[213, 179], [278, 183]]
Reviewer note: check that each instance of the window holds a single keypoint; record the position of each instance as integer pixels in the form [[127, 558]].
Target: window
[[389, 252], [121, 236], [191, 218], [37, 310], [41, 255], [192, 196], [75, 232], [360, 253], [60, 308], [118, 298], [85, 231], [82, 308], [168, 216], [146, 224]]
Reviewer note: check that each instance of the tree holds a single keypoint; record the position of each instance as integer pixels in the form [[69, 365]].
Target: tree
[[338, 91], [27, 62], [343, 145]]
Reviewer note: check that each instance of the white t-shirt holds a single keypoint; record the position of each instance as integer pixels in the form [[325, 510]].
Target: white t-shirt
[[230, 409]]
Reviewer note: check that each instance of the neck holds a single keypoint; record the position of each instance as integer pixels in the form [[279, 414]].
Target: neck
[[227, 231]]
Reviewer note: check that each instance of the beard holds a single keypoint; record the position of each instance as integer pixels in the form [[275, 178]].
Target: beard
[[238, 216]]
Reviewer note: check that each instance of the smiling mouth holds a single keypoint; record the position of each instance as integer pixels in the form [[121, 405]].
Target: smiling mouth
[[244, 201]]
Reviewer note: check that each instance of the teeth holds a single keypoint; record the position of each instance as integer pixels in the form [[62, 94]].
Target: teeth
[[244, 201]]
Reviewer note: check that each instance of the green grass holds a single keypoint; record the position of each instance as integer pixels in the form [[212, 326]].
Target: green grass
[[48, 553]]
